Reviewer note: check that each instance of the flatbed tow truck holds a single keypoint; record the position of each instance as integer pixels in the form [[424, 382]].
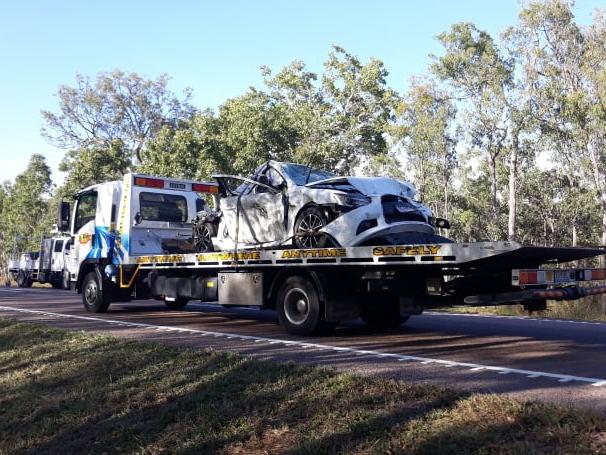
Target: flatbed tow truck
[[132, 240]]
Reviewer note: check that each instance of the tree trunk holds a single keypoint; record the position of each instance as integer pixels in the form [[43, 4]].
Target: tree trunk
[[575, 239], [513, 180], [603, 242], [492, 169]]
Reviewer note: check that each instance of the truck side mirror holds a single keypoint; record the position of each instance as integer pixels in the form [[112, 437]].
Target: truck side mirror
[[442, 223], [137, 219], [63, 216]]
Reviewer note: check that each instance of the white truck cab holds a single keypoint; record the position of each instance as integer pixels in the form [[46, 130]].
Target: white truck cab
[[140, 215], [47, 265]]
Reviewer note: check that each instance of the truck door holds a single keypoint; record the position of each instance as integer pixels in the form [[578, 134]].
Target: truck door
[[58, 259], [84, 225]]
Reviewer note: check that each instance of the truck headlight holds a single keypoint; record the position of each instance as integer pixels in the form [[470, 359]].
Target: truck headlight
[[352, 200]]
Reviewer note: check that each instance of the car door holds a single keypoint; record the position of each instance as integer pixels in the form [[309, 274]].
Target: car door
[[252, 211], [58, 260], [267, 207]]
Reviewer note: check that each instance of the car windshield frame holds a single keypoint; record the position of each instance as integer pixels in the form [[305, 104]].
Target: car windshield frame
[[297, 173]]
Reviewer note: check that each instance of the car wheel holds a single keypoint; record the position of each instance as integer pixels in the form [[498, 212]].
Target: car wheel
[[94, 299], [203, 234], [307, 228]]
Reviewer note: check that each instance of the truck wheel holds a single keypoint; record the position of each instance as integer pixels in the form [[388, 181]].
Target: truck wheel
[[93, 298], [21, 279], [65, 284], [382, 312], [56, 284], [176, 304], [299, 308]]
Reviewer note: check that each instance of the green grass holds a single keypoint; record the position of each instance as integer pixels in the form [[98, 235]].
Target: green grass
[[72, 392]]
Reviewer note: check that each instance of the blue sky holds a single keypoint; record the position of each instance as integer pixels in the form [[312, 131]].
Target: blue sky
[[214, 47]]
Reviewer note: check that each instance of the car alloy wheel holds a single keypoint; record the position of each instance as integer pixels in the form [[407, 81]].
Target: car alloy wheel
[[307, 229], [202, 238]]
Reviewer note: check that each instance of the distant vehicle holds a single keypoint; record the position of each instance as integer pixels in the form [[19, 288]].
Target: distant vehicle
[[292, 204], [48, 265]]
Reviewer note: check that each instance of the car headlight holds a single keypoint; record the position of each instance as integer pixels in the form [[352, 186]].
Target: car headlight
[[352, 200]]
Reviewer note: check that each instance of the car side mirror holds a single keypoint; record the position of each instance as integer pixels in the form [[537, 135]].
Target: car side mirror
[[138, 218], [63, 216], [442, 223]]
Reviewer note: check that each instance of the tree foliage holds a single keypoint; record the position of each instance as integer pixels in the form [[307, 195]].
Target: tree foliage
[[25, 207], [115, 106]]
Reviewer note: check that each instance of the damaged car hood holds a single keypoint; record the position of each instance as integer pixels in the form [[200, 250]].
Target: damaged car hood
[[370, 186]]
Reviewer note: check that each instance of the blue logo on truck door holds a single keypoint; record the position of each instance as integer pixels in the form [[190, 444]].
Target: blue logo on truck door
[[103, 244]]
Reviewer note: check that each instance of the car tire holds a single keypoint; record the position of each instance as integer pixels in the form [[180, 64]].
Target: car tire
[[203, 234], [95, 299], [382, 312], [309, 221], [176, 304], [299, 308]]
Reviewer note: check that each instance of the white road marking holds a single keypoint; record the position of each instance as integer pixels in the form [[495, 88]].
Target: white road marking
[[500, 316], [597, 382]]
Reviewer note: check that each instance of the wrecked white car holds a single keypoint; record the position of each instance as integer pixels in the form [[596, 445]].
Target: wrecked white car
[[286, 204]]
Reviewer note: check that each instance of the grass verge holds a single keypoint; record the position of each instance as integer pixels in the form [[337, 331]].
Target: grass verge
[[586, 309], [73, 392]]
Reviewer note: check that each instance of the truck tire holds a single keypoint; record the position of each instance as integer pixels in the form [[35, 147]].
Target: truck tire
[[65, 283], [176, 304], [21, 279], [94, 299], [382, 312], [299, 308]]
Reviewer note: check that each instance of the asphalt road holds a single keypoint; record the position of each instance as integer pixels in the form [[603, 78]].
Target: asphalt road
[[551, 360]]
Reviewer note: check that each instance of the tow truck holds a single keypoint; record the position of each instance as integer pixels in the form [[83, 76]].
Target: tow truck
[[47, 265], [132, 239]]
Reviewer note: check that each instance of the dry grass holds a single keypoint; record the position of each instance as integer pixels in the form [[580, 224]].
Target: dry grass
[[68, 392], [586, 309]]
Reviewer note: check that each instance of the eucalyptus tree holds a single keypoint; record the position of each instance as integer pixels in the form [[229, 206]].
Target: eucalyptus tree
[[341, 117], [25, 214], [424, 130], [475, 68], [566, 65], [114, 106]]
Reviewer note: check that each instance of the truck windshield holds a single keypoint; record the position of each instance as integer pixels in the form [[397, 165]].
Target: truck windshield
[[87, 208], [162, 207], [58, 246]]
